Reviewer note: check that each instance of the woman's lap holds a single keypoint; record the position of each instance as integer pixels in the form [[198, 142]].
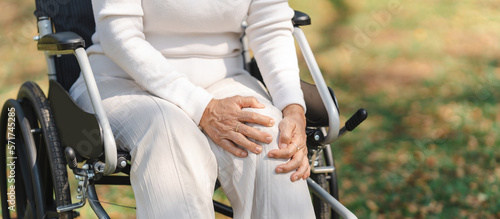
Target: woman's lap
[[181, 177], [143, 123]]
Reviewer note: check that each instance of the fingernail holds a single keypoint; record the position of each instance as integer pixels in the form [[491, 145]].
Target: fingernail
[[269, 139], [270, 155], [279, 170], [295, 178], [283, 145], [258, 149], [244, 154], [271, 123]]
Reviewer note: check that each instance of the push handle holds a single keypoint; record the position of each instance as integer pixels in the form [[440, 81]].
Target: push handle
[[71, 158], [356, 119]]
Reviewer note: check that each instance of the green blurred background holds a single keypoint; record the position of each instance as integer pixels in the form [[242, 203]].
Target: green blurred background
[[427, 71]]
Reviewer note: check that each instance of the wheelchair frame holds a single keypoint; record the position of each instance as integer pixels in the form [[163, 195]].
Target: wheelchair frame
[[56, 44]]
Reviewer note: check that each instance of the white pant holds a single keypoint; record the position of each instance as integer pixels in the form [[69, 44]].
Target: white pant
[[175, 165]]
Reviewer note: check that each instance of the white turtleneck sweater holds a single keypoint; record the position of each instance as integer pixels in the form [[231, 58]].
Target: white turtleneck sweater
[[174, 49]]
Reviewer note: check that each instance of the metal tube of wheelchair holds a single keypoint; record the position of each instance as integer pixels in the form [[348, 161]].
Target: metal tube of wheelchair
[[330, 200], [109, 140], [95, 204], [45, 27], [333, 115], [246, 48], [330, 167], [74, 206]]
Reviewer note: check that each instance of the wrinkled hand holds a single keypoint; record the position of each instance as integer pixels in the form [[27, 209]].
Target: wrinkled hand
[[223, 116], [292, 143]]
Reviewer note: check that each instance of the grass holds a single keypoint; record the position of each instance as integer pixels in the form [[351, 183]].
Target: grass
[[429, 77]]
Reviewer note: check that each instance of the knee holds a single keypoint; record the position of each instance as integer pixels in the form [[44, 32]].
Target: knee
[[269, 111]]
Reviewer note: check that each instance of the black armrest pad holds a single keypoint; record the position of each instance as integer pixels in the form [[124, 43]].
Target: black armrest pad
[[60, 42], [316, 114], [301, 19]]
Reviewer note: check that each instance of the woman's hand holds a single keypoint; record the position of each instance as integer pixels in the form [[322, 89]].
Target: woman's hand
[[292, 143], [223, 122]]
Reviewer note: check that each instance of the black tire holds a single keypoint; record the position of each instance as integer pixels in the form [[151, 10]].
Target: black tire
[[48, 185], [54, 175], [327, 181], [15, 164]]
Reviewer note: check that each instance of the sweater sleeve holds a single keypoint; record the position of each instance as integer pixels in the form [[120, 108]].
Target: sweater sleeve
[[270, 37], [119, 26]]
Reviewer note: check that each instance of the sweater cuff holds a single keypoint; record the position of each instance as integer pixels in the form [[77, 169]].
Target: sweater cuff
[[286, 96], [190, 98], [201, 98]]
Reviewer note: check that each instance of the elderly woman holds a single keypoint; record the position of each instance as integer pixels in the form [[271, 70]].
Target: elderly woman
[[173, 84]]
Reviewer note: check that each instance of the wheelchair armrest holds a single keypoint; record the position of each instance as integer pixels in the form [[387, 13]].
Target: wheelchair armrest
[[301, 19], [316, 114], [62, 41]]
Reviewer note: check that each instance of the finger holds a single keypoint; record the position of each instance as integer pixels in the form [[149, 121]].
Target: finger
[[253, 117], [308, 172], [292, 164], [289, 151], [249, 102], [254, 133], [242, 141], [284, 153], [301, 171], [232, 148], [286, 133]]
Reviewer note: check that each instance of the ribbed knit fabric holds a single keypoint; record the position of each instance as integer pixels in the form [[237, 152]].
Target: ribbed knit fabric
[[174, 164], [175, 49]]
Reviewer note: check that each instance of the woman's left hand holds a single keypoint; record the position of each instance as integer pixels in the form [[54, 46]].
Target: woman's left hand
[[292, 143]]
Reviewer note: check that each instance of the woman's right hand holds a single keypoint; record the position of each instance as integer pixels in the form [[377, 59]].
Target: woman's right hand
[[224, 122]]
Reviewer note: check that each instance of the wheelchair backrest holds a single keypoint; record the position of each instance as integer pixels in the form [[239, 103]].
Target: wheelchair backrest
[[68, 15]]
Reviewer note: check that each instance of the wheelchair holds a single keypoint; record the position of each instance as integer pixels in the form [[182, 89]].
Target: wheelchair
[[44, 136]]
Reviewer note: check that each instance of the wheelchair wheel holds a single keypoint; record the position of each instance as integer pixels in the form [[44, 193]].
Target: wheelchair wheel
[[327, 181], [41, 182]]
